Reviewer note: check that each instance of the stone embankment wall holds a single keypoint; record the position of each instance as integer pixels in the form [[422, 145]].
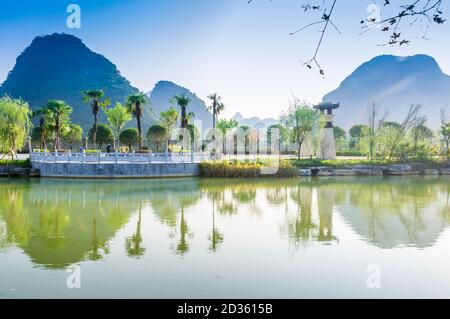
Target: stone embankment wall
[[132, 170], [368, 170]]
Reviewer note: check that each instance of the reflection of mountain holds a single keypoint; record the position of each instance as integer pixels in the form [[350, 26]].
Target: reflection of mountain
[[402, 213], [58, 222], [62, 225], [388, 214]]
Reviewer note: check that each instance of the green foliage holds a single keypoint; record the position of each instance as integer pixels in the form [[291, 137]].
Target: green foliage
[[117, 117], [216, 106], [157, 135], [445, 139], [241, 169], [129, 137], [169, 119], [339, 133], [356, 132], [182, 101], [303, 120], [18, 163], [340, 163], [349, 152], [73, 134], [226, 125], [194, 133], [96, 99], [282, 133], [135, 104], [104, 135], [14, 124], [58, 119], [340, 137]]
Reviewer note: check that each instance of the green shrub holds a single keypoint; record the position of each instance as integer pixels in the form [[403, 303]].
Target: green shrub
[[241, 169], [19, 163], [350, 153]]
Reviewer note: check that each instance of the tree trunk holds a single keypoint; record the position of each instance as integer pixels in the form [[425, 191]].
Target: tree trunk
[[57, 130], [138, 119], [183, 117], [94, 138], [299, 151]]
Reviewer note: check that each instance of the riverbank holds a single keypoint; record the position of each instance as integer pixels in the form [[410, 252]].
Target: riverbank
[[227, 169], [323, 168], [17, 168]]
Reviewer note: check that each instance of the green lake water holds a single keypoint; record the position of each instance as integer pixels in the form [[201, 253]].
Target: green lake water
[[193, 238]]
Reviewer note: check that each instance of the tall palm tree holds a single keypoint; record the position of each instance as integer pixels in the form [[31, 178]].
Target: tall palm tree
[[42, 112], [216, 107], [94, 98], [59, 116], [182, 101], [135, 104]]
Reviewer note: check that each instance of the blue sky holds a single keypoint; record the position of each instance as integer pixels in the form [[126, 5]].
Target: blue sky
[[242, 51]]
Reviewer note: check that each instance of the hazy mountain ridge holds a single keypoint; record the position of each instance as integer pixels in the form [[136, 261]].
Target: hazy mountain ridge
[[164, 91], [254, 121], [395, 82]]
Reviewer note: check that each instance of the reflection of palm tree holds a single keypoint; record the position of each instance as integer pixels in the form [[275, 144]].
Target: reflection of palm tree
[[216, 237], [133, 243], [183, 245], [95, 255]]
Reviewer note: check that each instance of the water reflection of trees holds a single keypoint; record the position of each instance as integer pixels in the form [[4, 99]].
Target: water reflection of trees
[[385, 212], [396, 212], [133, 244], [58, 223]]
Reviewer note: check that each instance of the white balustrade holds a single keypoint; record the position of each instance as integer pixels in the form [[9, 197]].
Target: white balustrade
[[117, 158]]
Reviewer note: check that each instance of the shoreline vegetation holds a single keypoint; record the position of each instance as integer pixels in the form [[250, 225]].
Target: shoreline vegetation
[[287, 168], [378, 148], [325, 168]]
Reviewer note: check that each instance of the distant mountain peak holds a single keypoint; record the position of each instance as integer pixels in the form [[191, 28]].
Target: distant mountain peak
[[164, 91], [61, 66], [396, 82], [254, 121]]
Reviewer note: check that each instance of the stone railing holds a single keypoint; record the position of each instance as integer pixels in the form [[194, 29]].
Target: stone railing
[[117, 158]]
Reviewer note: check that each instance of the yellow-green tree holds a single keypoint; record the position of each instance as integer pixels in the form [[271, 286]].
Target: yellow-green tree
[[117, 118], [14, 125]]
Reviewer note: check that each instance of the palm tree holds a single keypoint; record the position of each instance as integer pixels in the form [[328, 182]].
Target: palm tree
[[216, 107], [41, 113], [224, 126], [94, 98], [59, 116], [182, 101], [135, 104]]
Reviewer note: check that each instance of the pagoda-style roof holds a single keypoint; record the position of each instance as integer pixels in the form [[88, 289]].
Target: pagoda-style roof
[[327, 106]]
